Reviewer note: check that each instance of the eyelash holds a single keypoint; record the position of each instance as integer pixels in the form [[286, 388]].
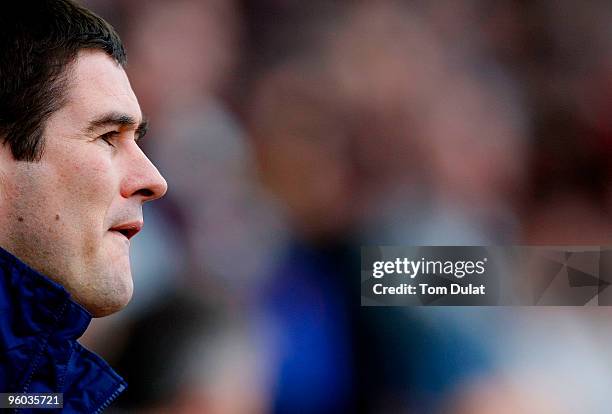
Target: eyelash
[[108, 136]]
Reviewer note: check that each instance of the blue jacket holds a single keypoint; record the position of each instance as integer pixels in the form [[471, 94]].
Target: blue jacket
[[39, 326]]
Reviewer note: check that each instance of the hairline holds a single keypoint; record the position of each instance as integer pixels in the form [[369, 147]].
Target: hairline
[[65, 82]]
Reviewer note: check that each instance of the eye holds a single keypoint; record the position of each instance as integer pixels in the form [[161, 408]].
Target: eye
[[109, 136]]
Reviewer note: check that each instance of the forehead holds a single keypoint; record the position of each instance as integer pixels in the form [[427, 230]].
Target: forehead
[[97, 84]]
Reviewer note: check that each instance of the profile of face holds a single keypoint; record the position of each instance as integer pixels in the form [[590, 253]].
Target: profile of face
[[72, 214]]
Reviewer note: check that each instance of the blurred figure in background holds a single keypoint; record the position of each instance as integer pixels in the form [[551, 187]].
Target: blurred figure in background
[[204, 362], [293, 133]]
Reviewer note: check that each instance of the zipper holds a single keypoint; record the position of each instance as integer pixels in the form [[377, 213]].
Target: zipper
[[110, 399]]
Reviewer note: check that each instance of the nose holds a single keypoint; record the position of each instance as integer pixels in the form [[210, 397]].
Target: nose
[[141, 178]]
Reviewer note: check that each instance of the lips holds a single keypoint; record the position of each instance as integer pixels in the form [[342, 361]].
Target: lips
[[128, 230]]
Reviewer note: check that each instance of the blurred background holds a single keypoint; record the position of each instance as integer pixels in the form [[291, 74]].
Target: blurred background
[[293, 132]]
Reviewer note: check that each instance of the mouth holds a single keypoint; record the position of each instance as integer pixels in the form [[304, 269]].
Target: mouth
[[128, 230]]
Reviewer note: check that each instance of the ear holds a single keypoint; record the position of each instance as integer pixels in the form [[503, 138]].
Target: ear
[[5, 150], [7, 163], [7, 180]]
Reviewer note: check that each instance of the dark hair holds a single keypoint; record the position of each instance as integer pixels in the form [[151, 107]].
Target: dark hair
[[39, 39]]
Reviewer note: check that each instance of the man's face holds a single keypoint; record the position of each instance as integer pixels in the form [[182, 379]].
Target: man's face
[[71, 215]]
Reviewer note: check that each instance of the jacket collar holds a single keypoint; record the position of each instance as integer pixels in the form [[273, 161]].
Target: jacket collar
[[39, 326], [42, 300]]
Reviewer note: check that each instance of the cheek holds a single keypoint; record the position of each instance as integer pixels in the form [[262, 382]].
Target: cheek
[[86, 187], [94, 177], [69, 191]]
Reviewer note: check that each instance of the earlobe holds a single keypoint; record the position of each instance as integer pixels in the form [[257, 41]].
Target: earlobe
[[7, 164], [5, 153], [5, 147], [6, 159]]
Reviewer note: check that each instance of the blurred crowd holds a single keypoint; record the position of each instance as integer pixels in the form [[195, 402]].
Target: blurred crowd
[[292, 133]]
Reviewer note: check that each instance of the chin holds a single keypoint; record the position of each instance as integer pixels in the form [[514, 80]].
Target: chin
[[99, 311], [112, 297]]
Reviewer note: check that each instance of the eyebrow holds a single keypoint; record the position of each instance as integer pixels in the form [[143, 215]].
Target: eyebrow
[[121, 120]]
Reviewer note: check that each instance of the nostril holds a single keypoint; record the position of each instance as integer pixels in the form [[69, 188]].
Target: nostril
[[145, 192]]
